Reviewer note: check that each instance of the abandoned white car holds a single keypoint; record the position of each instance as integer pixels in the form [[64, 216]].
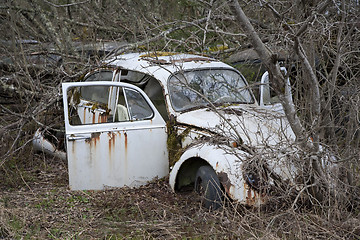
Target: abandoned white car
[[145, 115]]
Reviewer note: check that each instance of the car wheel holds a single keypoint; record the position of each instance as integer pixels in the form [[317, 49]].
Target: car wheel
[[207, 185]]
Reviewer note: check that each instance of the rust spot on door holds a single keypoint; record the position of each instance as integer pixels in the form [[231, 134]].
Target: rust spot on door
[[93, 117], [84, 116], [95, 137], [102, 118], [126, 142], [111, 141]]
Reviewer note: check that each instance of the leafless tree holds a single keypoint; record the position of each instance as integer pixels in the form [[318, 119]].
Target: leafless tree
[[319, 73]]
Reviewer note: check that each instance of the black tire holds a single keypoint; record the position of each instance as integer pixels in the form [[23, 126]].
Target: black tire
[[207, 185]]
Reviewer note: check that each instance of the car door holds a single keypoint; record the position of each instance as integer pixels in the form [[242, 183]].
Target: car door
[[126, 148]]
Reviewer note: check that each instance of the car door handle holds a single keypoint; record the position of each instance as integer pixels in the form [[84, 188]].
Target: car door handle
[[80, 137]]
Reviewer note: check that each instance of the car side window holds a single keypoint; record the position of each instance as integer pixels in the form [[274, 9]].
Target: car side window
[[107, 104], [139, 109]]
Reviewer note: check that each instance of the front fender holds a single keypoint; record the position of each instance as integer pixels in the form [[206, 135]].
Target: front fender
[[227, 163]]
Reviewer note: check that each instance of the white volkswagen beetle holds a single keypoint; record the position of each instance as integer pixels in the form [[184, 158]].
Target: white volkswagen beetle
[[144, 115]]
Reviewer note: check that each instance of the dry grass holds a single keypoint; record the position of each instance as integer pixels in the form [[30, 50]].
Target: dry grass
[[41, 206]]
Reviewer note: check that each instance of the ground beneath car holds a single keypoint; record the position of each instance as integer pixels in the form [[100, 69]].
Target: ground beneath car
[[40, 205], [45, 207]]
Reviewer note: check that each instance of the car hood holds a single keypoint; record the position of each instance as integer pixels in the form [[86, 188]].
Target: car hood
[[256, 126]]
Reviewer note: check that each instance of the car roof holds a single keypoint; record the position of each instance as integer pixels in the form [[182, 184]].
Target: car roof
[[162, 64]]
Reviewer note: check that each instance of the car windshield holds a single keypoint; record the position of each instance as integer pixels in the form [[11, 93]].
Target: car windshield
[[197, 88]]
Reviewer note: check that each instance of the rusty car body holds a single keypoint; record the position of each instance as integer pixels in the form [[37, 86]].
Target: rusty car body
[[145, 115]]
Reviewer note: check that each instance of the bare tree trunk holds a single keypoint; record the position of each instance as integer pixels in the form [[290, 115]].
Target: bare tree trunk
[[270, 61]]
